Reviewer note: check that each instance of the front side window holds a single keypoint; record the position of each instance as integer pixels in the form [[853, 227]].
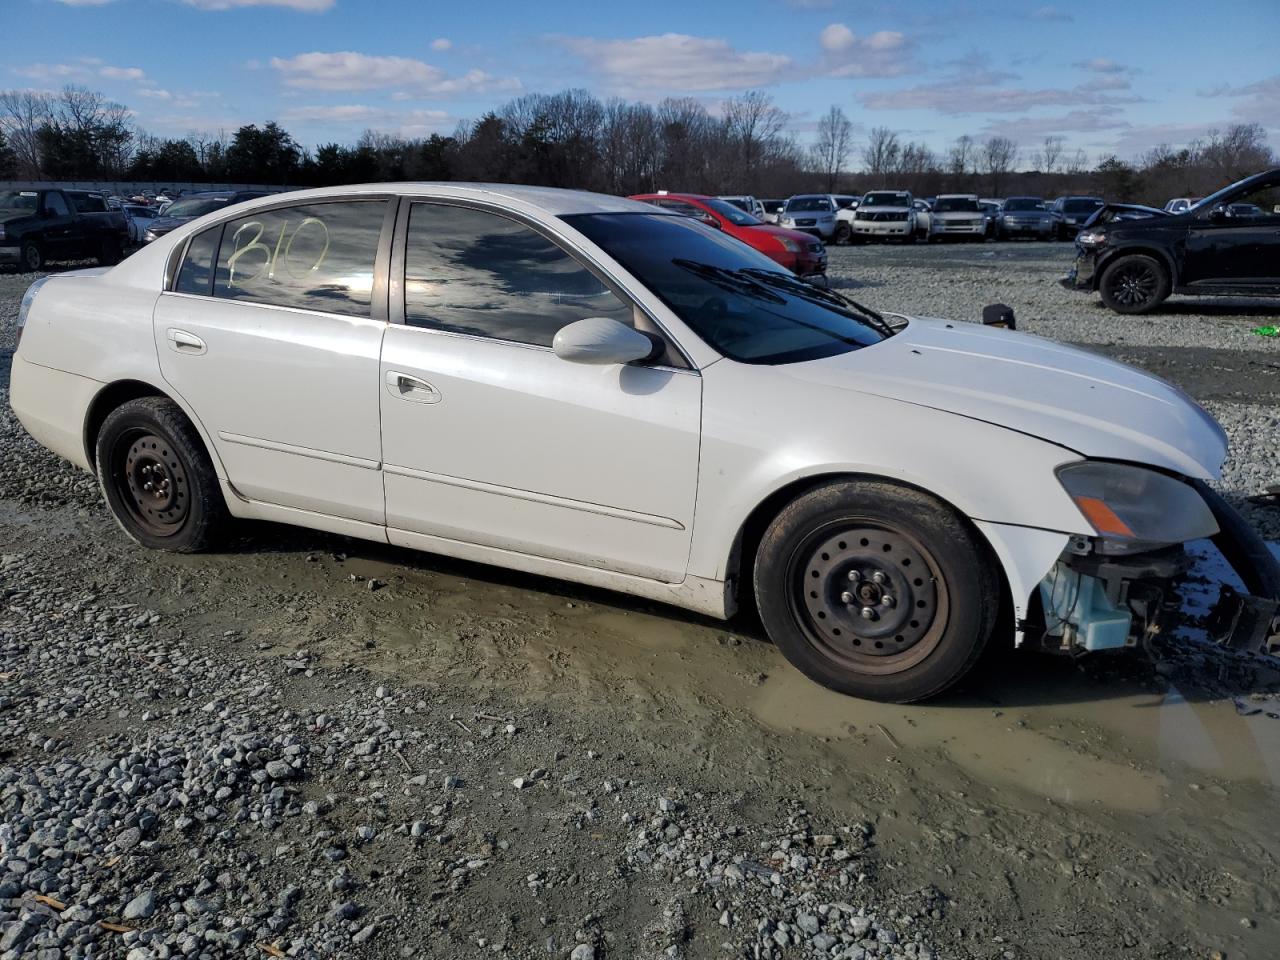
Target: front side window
[[479, 273], [314, 256], [87, 203], [55, 204], [736, 299]]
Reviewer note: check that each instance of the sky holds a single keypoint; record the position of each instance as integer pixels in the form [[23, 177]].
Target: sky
[[1109, 77]]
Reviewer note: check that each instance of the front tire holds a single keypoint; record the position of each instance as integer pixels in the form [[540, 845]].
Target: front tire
[[876, 590], [843, 234], [1134, 284], [32, 257], [157, 477]]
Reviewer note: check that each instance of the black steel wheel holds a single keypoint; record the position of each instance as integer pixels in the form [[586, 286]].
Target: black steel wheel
[[876, 590], [1134, 284], [157, 477]]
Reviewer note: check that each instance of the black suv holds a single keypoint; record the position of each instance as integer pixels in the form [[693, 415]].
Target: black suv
[[1228, 243]]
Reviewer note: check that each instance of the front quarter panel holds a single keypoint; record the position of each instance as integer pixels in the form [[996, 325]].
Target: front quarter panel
[[764, 430]]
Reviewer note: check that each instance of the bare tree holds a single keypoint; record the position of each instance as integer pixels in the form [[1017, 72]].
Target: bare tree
[[835, 135], [1049, 156], [1077, 163], [1236, 152], [960, 157], [999, 154], [22, 115], [754, 123], [881, 154]]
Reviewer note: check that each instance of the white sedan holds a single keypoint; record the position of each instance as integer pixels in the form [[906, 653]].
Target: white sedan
[[593, 389]]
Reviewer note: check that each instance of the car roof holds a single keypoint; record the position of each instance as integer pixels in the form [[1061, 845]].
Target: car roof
[[551, 200]]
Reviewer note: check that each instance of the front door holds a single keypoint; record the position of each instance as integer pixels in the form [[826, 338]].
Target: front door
[[489, 438], [1237, 242], [272, 334]]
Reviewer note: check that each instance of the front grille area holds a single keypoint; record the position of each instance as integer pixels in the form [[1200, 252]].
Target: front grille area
[[877, 217]]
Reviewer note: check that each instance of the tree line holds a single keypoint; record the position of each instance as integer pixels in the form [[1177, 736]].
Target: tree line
[[574, 139]]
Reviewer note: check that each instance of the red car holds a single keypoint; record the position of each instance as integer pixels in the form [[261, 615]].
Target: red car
[[800, 253]]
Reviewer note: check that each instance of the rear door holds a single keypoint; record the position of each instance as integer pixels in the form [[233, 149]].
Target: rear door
[[489, 438], [272, 334]]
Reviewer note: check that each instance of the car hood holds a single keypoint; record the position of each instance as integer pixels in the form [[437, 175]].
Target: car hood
[[164, 224], [1067, 396]]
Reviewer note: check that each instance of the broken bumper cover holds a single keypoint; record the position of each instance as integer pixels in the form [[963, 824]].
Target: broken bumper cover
[[1082, 273], [1093, 601]]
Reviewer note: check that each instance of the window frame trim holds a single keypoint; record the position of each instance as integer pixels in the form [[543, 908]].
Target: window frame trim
[[378, 297], [396, 286]]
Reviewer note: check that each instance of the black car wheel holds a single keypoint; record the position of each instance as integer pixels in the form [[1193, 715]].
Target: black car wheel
[[32, 257], [843, 233], [1134, 284], [876, 590], [158, 479]]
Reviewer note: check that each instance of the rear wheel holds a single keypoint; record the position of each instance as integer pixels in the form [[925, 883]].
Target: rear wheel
[[32, 257], [1134, 284], [158, 479], [876, 590]]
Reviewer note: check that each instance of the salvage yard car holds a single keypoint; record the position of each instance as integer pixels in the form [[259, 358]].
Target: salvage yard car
[[811, 213], [1229, 243], [596, 389], [1025, 217], [885, 214], [37, 226], [957, 215]]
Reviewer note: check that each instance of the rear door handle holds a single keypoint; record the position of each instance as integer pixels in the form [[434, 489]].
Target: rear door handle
[[407, 387], [183, 342]]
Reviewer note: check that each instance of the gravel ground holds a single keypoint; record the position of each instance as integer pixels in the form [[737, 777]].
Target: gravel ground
[[312, 747]]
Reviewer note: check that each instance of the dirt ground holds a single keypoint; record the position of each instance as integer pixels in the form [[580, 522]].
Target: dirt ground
[[1110, 807]]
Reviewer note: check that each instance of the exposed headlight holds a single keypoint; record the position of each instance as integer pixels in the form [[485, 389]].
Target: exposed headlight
[[789, 244], [1091, 238], [1135, 505]]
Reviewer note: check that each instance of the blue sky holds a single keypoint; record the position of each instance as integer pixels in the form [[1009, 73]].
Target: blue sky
[[1118, 76]]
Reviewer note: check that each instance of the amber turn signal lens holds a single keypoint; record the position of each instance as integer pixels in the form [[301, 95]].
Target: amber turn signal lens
[[1103, 518]]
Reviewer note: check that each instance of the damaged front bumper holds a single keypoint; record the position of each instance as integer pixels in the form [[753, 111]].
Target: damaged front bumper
[[1094, 601]]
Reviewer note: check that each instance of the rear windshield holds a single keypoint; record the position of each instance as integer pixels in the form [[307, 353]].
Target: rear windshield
[[956, 205], [195, 206], [738, 300]]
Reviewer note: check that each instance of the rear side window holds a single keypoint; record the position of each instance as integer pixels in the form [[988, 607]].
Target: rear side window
[[316, 256], [196, 273], [479, 273], [87, 203]]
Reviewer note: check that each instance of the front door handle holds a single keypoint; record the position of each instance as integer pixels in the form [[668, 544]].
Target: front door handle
[[407, 387], [183, 342]]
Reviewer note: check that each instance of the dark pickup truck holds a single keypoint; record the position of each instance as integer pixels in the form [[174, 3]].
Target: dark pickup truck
[[37, 226]]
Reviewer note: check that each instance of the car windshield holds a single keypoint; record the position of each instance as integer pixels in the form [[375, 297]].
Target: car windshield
[[956, 205], [195, 206], [18, 200], [844, 203], [809, 205], [886, 200], [737, 300], [1024, 203], [1081, 206], [732, 213], [1226, 194]]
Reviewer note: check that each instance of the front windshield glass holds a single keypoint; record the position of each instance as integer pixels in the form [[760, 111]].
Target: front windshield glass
[[1223, 195], [18, 200], [195, 206], [732, 213], [738, 300], [1025, 203], [886, 200], [956, 205], [809, 205]]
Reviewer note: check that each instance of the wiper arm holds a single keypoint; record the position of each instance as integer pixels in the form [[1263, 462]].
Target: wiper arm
[[735, 281], [802, 289]]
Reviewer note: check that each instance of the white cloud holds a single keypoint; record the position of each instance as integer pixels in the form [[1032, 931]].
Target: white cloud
[[442, 43], [1255, 102], [345, 70], [1074, 121], [1050, 13], [306, 6], [121, 73], [1101, 65], [85, 3], [885, 53], [676, 62]]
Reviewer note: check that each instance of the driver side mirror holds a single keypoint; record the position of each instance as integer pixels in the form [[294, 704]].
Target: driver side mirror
[[603, 340]]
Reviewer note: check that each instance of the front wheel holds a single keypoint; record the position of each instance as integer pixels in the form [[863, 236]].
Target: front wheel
[[32, 257], [157, 477], [1134, 284], [843, 233], [876, 590]]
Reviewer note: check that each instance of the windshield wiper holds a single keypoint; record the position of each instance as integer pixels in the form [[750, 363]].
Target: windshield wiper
[[735, 281], [800, 288]]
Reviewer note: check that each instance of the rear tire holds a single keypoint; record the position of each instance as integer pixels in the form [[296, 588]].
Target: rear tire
[[876, 590], [1134, 284], [157, 477]]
